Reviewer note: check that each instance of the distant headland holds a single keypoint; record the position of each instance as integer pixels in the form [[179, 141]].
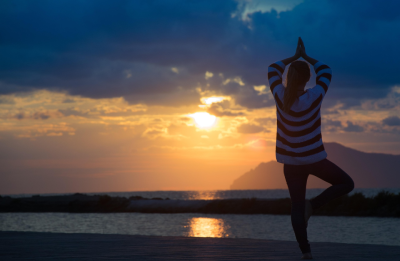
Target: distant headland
[[368, 170]]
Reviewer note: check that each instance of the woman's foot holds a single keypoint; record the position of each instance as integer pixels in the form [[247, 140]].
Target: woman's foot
[[307, 256], [308, 211]]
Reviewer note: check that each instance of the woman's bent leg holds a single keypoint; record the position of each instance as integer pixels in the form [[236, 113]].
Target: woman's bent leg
[[296, 180], [341, 182]]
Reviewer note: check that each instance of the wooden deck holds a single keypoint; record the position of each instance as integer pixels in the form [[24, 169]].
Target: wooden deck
[[59, 246]]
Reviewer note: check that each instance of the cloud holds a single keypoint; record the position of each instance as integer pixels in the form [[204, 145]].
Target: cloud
[[32, 114], [41, 116], [217, 110], [348, 103], [39, 130], [331, 125], [19, 116], [127, 49], [266, 121], [181, 129], [391, 121], [252, 100], [262, 6], [68, 100], [7, 100], [247, 128], [353, 127], [390, 102], [74, 112]]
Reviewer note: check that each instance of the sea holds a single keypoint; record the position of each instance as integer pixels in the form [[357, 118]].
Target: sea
[[358, 230], [219, 194]]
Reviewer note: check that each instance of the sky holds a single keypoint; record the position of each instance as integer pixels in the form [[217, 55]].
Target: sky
[[173, 95]]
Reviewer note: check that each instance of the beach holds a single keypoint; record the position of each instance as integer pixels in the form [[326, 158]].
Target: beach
[[75, 246]]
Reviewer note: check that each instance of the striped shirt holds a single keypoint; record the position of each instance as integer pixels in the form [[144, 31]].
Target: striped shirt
[[298, 137]]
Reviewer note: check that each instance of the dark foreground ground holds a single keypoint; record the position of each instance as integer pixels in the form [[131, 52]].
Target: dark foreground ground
[[58, 246]]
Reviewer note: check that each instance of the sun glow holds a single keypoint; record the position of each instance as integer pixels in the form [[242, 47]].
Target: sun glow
[[211, 100], [203, 119]]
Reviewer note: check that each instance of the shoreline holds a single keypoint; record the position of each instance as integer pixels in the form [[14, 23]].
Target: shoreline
[[39, 246], [384, 204]]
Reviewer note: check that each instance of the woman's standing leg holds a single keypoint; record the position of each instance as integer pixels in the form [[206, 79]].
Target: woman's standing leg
[[341, 182], [296, 179]]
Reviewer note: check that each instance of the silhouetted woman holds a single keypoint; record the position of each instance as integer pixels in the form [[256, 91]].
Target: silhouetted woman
[[298, 141]]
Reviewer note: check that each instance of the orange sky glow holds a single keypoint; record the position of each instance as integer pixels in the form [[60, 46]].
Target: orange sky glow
[[55, 142]]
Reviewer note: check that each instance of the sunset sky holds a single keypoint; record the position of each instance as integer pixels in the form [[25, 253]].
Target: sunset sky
[[173, 95]]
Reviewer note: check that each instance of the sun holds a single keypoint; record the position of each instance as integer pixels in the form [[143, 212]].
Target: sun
[[203, 119]]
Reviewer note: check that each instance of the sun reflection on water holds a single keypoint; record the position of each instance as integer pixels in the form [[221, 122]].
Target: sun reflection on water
[[207, 227], [204, 195]]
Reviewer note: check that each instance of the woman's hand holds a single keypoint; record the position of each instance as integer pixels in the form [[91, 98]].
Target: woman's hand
[[298, 53], [304, 54], [302, 48]]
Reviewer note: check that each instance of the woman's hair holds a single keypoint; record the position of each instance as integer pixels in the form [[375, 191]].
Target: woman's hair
[[298, 74]]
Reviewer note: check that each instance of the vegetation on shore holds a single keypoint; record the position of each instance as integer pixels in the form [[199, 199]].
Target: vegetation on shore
[[384, 204]]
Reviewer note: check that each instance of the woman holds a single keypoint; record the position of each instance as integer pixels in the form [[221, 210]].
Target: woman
[[298, 141]]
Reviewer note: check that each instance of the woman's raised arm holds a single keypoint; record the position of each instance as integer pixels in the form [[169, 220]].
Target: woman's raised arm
[[276, 69], [323, 71]]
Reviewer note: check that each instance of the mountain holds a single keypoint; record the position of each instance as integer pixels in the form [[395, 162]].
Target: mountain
[[368, 170]]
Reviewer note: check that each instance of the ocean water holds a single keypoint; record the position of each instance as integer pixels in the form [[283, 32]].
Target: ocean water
[[359, 230], [224, 194]]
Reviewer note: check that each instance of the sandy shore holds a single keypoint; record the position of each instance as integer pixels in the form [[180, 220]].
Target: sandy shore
[[58, 246]]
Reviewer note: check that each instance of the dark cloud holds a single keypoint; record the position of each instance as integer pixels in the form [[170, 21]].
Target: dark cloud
[[348, 103], [333, 123], [330, 112], [249, 128], [19, 116], [252, 100], [73, 112], [127, 48], [391, 121], [40, 116], [353, 127]]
